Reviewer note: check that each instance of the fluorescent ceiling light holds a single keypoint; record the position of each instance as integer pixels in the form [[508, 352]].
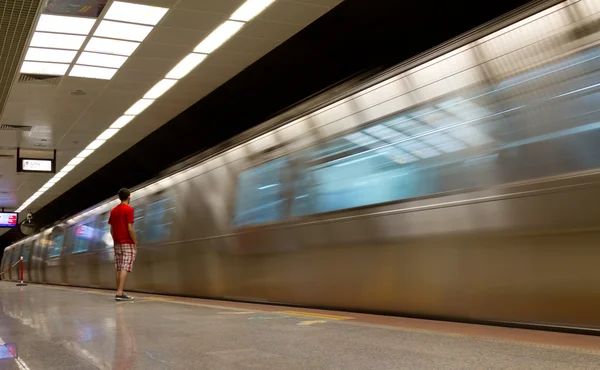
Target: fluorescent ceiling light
[[186, 65], [92, 72], [139, 107], [84, 153], [101, 60], [135, 13], [121, 122], [159, 89], [108, 133], [218, 37], [250, 9], [57, 41], [40, 68], [124, 31], [109, 46], [66, 169], [95, 144], [75, 161], [50, 55], [62, 24]]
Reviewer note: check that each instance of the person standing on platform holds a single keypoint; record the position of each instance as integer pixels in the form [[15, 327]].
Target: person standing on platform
[[123, 234]]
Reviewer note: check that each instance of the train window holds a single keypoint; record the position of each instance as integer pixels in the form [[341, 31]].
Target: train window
[[27, 252], [159, 218], [16, 253], [260, 194], [56, 244], [105, 239], [80, 237], [138, 222]]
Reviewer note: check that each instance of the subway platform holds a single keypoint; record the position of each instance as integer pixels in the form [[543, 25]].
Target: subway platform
[[51, 327]]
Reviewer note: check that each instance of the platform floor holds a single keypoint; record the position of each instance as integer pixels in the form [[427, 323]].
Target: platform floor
[[49, 327]]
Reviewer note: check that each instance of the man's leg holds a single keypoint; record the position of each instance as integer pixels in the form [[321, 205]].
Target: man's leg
[[121, 279], [118, 279]]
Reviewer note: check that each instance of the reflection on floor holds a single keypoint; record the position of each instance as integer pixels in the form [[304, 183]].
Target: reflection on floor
[[44, 327]]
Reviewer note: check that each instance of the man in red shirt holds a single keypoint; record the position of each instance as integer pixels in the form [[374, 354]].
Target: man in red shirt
[[123, 234]]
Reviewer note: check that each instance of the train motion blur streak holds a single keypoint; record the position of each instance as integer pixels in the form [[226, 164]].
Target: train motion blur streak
[[465, 187]]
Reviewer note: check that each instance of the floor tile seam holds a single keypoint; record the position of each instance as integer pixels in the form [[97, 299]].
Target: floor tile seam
[[477, 337]]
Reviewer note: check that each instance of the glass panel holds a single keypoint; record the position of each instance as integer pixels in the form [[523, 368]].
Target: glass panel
[[105, 239], [56, 244], [138, 223], [82, 236], [16, 253], [159, 218], [538, 125], [259, 195], [26, 252]]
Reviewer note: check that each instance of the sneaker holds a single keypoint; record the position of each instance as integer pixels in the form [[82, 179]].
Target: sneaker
[[123, 297]]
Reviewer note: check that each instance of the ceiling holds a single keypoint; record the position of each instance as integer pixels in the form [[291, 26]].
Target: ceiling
[[68, 113]]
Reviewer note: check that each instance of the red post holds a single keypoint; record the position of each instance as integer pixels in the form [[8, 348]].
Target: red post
[[21, 272]]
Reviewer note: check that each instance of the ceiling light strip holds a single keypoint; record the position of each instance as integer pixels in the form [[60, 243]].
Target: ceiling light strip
[[131, 13]]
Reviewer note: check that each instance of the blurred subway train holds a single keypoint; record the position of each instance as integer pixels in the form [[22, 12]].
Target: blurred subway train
[[462, 184]]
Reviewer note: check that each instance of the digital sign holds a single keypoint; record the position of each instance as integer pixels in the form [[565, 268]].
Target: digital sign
[[36, 161], [8, 219], [38, 165]]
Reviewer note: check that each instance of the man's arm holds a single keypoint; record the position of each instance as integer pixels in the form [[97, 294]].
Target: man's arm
[[132, 233]]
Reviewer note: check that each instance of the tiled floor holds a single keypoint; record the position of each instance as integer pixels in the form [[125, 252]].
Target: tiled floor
[[45, 327]]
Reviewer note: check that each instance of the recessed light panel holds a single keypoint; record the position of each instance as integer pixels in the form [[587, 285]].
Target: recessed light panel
[[92, 72], [62, 24], [50, 55], [124, 31], [75, 161], [186, 65], [139, 107], [84, 153], [39, 68], [121, 122], [135, 13], [109, 46], [250, 9], [159, 89], [101, 60], [108, 133], [95, 144], [218, 37], [57, 41]]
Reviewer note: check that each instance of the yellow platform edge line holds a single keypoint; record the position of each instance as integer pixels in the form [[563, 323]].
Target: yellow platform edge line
[[318, 315]]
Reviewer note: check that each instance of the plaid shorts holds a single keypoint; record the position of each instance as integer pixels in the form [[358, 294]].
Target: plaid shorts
[[124, 256]]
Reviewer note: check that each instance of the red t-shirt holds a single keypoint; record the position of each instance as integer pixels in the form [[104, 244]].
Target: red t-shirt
[[120, 217]]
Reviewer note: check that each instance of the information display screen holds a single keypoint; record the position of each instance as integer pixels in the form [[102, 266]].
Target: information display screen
[[8, 219], [37, 165]]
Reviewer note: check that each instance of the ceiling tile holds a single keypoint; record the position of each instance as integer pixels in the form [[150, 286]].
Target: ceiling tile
[[226, 7], [172, 36], [138, 88], [186, 19], [293, 13], [227, 59], [250, 45], [149, 65], [125, 75], [160, 51], [269, 30], [68, 106]]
